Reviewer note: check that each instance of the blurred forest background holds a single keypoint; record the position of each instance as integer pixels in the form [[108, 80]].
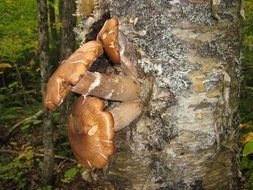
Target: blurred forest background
[[21, 138]]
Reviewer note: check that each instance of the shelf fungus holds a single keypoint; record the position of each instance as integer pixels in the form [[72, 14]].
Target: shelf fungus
[[70, 72], [91, 125], [91, 129]]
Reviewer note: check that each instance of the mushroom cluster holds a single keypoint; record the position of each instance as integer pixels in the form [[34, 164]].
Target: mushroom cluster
[[91, 127]]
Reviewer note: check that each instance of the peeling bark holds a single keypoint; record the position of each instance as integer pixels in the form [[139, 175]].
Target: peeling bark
[[189, 69]]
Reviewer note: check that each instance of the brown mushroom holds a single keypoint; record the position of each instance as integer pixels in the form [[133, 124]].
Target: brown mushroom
[[69, 73], [90, 132], [110, 87], [108, 35]]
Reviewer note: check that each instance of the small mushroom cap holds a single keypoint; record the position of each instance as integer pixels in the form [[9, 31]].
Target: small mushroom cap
[[90, 132], [108, 35], [70, 72]]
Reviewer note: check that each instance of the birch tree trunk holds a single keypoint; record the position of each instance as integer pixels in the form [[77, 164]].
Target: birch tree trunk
[[188, 61], [48, 164]]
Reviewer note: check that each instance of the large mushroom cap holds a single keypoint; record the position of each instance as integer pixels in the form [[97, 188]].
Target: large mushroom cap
[[90, 132], [109, 37], [70, 72]]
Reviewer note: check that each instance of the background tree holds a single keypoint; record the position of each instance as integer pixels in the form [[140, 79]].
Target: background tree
[[67, 38], [48, 145], [55, 37]]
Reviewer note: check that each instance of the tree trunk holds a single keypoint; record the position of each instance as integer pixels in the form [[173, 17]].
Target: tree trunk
[[55, 57], [68, 24], [67, 40], [52, 20], [186, 137], [48, 165]]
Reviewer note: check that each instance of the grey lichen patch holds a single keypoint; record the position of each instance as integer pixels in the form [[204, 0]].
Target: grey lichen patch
[[149, 66], [160, 170], [228, 11], [152, 133], [222, 45], [198, 13], [238, 67], [214, 48], [178, 82], [161, 100], [168, 62], [213, 79]]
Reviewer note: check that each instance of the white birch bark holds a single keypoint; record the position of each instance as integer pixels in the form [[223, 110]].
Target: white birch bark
[[188, 64]]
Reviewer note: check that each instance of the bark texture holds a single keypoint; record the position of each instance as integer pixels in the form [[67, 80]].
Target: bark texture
[[52, 20], [188, 64], [55, 55], [68, 24], [48, 164], [67, 41]]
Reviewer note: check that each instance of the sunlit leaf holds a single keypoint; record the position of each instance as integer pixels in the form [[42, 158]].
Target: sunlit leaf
[[244, 126], [246, 138], [25, 127], [36, 122], [248, 148], [13, 84], [69, 175], [5, 65], [29, 155]]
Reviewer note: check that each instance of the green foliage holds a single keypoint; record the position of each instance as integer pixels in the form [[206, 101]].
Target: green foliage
[[247, 25], [246, 104], [20, 83], [18, 28], [69, 175], [14, 171], [49, 187], [246, 166], [247, 48], [20, 97]]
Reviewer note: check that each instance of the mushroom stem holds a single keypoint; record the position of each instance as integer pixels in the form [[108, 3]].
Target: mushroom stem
[[125, 113], [109, 87]]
